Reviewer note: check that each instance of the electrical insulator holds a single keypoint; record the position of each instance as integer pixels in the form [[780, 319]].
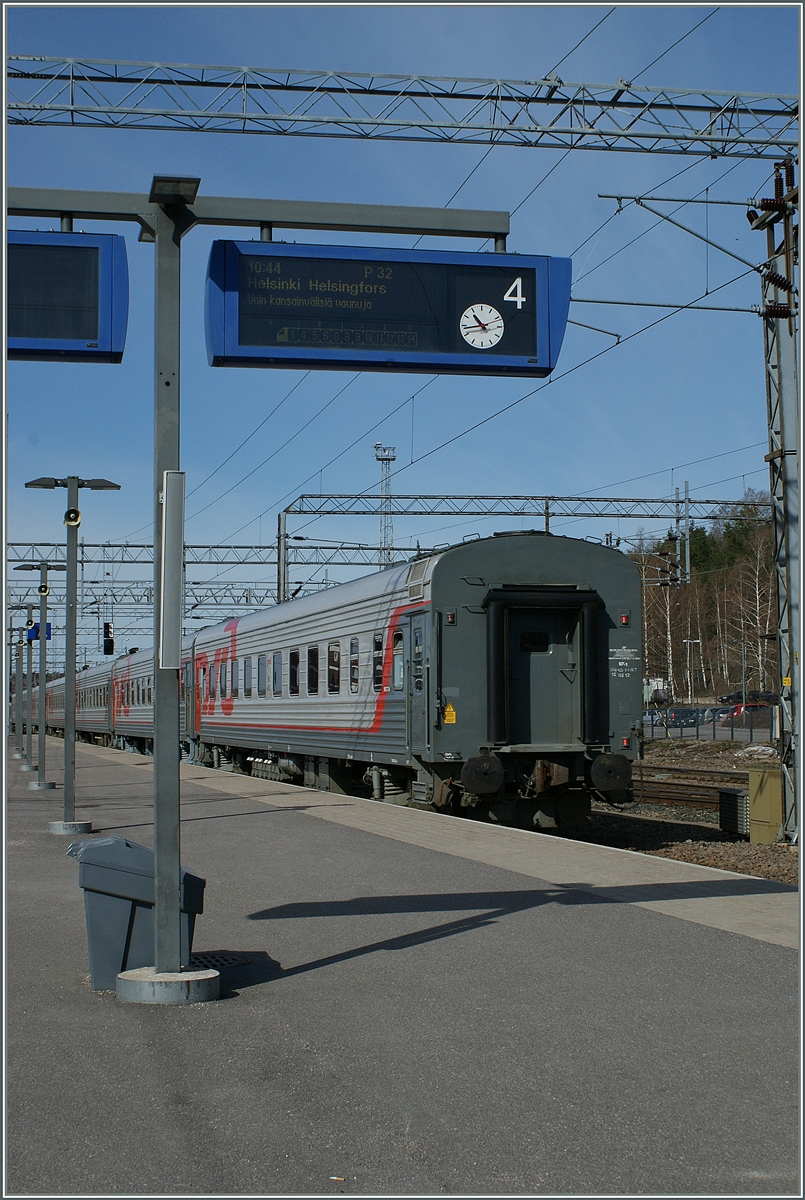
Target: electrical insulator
[[778, 182], [779, 281], [789, 176], [777, 310]]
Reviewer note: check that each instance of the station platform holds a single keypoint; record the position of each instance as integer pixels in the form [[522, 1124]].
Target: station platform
[[414, 1005]]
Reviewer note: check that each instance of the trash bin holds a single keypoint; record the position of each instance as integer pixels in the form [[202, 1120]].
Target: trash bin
[[117, 876]]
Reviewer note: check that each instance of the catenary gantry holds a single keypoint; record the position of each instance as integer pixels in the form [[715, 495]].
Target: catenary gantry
[[549, 113]]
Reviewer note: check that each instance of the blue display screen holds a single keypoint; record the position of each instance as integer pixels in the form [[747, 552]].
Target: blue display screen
[[271, 304], [67, 296]]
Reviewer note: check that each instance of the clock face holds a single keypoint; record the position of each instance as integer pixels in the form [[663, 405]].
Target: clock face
[[481, 325]]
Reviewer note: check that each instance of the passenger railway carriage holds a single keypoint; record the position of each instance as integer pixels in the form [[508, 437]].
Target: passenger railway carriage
[[501, 676]]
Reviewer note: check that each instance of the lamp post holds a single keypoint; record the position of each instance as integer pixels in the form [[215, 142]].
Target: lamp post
[[690, 642], [173, 197], [29, 624], [19, 752], [16, 649], [72, 519], [44, 588]]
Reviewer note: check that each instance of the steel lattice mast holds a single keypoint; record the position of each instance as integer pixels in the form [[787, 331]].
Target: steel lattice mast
[[780, 342], [548, 113], [386, 455]]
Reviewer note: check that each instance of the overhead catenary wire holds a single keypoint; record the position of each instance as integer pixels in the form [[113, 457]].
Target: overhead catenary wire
[[589, 33], [275, 453], [486, 154], [620, 250], [554, 379], [257, 428], [675, 44]]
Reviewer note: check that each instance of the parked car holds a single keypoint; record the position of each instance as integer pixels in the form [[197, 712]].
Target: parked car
[[711, 715], [654, 718], [756, 715], [751, 697], [678, 718]]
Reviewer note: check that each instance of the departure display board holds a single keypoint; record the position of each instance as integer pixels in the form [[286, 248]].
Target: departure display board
[[273, 304], [67, 296]]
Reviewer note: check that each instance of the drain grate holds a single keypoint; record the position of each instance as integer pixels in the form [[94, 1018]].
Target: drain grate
[[215, 961]]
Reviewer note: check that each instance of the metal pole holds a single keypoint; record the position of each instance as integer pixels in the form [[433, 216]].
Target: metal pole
[[43, 659], [167, 934], [687, 533], [71, 617], [282, 557], [29, 723], [18, 698]]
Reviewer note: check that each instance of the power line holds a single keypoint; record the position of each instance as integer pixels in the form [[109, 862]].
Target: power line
[[614, 254], [276, 407], [541, 387], [274, 453], [491, 148], [679, 467], [335, 458], [556, 378], [674, 44], [584, 39]]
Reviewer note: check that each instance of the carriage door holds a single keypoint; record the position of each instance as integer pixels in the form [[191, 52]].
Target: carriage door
[[418, 681], [544, 683]]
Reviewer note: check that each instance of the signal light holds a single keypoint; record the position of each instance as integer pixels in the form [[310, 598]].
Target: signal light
[[72, 517], [108, 638]]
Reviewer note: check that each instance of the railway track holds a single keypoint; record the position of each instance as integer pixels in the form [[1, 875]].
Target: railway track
[[656, 788]]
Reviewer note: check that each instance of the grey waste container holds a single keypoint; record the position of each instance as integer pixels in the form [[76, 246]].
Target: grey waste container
[[117, 876]]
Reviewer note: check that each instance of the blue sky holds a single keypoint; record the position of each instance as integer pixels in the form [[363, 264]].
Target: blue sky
[[681, 393]]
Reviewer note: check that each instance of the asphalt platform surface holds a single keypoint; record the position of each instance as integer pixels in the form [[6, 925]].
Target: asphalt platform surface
[[431, 1007]]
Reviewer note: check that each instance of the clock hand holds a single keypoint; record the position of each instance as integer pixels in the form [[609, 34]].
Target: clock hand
[[478, 319]]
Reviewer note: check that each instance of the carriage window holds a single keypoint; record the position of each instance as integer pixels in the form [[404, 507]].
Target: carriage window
[[397, 661], [261, 675], [223, 674], [377, 661], [534, 642], [137, 694], [276, 674], [334, 667], [312, 670], [247, 676], [202, 689], [354, 664], [212, 682], [151, 687], [235, 679], [293, 673]]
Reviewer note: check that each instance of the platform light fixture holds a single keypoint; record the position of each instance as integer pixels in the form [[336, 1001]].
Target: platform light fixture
[[72, 519], [173, 189]]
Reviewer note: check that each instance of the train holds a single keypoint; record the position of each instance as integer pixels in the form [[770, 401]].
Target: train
[[498, 678]]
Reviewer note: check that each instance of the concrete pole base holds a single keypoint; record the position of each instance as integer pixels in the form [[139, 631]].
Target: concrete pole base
[[36, 786], [69, 826], [27, 767], [145, 985]]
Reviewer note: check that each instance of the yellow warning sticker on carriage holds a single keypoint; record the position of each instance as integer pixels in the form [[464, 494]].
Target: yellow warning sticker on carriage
[[449, 715], [786, 681]]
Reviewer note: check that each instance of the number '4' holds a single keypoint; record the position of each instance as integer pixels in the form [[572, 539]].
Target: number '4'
[[515, 293]]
